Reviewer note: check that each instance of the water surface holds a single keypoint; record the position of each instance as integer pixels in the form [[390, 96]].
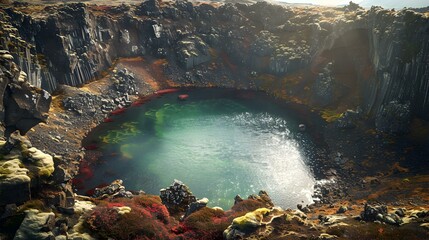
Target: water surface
[[219, 142]]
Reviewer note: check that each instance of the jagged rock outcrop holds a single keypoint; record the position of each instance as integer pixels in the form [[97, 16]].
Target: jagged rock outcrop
[[177, 197], [247, 224], [24, 168], [384, 51], [114, 190], [23, 106], [192, 51]]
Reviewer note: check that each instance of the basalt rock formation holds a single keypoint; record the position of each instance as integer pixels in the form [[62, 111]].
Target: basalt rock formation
[[23, 106], [377, 56]]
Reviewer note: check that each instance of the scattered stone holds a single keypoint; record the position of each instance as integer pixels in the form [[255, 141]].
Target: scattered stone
[[114, 190], [342, 209], [379, 213], [370, 213], [325, 236], [425, 226], [400, 212]]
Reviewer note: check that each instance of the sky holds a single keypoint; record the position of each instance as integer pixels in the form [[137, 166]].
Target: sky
[[398, 4]]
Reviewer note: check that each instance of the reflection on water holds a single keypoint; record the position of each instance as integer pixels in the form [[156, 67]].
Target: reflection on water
[[218, 144]]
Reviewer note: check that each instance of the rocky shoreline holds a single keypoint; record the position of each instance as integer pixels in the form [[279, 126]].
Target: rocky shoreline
[[366, 160]]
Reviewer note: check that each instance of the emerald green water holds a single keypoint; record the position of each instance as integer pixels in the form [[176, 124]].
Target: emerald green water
[[219, 142]]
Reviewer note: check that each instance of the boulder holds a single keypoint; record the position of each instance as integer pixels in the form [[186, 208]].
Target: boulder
[[15, 182], [41, 164], [114, 190], [22, 169], [22, 106], [371, 213], [36, 225], [177, 197], [251, 221], [195, 206], [379, 213]]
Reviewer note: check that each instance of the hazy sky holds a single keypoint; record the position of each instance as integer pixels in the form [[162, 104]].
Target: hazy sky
[[321, 2], [384, 3]]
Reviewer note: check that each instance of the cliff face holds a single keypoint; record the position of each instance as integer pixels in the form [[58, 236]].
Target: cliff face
[[378, 56]]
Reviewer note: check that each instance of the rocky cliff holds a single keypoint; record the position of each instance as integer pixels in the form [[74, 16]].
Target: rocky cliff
[[378, 55]]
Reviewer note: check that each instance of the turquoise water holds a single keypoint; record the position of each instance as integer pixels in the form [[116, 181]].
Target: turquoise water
[[219, 142]]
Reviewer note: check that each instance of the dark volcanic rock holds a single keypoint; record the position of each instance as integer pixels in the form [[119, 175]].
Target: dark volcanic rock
[[372, 213], [348, 119], [394, 118], [379, 213], [192, 51], [324, 87], [177, 197], [114, 190], [22, 105], [195, 206]]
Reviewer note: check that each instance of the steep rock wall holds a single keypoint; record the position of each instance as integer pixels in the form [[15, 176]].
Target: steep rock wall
[[72, 44]]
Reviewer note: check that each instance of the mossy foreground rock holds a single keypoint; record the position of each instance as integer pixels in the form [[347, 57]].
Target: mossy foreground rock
[[36, 225], [18, 168], [250, 220]]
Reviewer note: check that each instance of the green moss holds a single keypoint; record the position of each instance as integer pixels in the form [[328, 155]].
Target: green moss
[[251, 219], [128, 129], [330, 115]]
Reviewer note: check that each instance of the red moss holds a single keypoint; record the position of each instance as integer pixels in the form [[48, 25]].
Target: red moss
[[85, 171], [78, 183], [114, 204], [183, 97], [91, 147], [166, 91], [118, 111], [107, 120], [206, 223], [148, 219]]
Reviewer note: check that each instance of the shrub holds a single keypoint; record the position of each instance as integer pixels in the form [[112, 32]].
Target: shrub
[[148, 219], [207, 223]]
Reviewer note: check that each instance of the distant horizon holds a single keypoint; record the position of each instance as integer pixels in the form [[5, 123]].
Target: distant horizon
[[397, 4]]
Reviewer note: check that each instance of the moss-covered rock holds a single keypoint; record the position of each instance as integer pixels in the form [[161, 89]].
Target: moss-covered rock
[[36, 225], [17, 170], [251, 219]]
